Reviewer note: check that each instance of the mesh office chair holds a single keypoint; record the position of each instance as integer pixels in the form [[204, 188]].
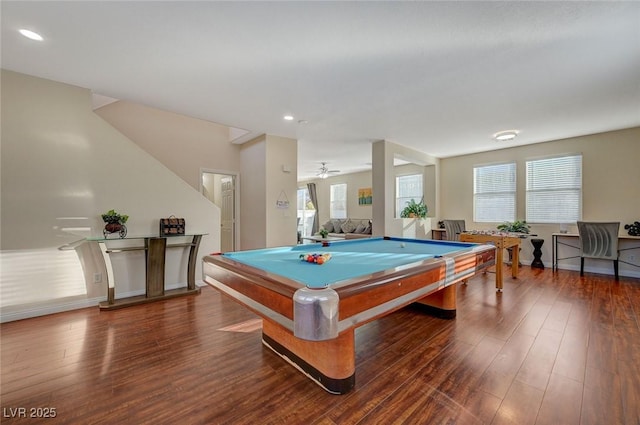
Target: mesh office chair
[[599, 240], [453, 228]]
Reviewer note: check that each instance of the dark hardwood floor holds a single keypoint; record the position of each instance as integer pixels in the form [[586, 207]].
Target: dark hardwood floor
[[553, 348]]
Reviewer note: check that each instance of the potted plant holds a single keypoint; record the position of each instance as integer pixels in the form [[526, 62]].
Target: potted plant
[[323, 233], [518, 226], [115, 223], [414, 209]]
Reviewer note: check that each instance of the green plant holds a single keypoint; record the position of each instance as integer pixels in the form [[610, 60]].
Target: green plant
[[518, 226], [414, 209], [112, 217], [323, 233]]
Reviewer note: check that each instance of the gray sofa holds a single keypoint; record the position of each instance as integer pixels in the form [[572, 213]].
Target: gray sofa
[[348, 228]]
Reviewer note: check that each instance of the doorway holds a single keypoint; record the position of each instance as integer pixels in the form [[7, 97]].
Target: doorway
[[220, 188]]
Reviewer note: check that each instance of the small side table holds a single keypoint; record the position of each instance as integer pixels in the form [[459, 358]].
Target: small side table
[[537, 253]]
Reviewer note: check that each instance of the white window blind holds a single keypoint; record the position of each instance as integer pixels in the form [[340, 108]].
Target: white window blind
[[554, 190], [408, 188], [338, 207], [494, 193]]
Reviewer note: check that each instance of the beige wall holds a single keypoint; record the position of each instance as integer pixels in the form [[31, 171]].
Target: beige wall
[[253, 190], [354, 182], [269, 174], [184, 144], [384, 153], [63, 166], [282, 176], [610, 183]]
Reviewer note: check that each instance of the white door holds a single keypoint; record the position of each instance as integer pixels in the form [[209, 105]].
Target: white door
[[227, 215], [221, 190]]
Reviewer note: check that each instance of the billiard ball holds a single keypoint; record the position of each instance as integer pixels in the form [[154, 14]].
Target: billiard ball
[[402, 245]]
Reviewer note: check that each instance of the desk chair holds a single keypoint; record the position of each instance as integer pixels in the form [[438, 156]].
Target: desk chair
[[599, 240], [453, 228]]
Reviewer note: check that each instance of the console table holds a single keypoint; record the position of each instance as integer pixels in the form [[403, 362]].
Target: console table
[[155, 248]]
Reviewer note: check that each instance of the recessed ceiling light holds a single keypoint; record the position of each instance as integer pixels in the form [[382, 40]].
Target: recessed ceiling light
[[506, 135], [288, 117], [31, 35]]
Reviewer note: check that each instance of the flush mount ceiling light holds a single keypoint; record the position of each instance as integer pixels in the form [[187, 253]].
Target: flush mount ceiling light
[[288, 117], [506, 135], [31, 35]]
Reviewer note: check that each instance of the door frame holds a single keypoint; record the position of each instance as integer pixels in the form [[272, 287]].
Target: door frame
[[236, 206]]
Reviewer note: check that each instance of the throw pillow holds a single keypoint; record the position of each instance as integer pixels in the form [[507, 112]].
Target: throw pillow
[[368, 228], [337, 226], [348, 226], [360, 228], [328, 226]]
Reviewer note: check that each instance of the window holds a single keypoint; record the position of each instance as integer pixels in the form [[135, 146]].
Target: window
[[306, 212], [338, 206], [408, 188], [494, 193], [554, 190]]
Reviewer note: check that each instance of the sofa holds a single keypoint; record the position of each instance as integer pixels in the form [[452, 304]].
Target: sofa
[[348, 228]]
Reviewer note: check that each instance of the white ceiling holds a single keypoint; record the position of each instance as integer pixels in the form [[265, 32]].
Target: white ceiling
[[440, 77]]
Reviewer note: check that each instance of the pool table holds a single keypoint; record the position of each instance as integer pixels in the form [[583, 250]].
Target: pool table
[[310, 311]]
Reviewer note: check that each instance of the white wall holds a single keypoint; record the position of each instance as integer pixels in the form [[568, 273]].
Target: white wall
[[62, 166], [184, 144], [610, 186]]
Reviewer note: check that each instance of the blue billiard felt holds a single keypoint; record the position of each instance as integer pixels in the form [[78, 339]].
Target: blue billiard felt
[[349, 259]]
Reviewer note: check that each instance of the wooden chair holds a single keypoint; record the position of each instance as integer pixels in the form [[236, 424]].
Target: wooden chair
[[599, 240], [453, 228]]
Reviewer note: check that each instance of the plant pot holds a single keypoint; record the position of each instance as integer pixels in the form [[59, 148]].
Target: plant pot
[[115, 228]]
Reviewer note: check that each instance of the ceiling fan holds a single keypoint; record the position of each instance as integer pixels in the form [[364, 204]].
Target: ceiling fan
[[324, 171]]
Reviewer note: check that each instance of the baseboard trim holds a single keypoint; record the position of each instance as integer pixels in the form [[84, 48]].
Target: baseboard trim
[[43, 310], [59, 306], [600, 270]]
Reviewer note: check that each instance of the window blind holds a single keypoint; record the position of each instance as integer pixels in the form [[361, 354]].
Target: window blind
[[554, 190], [494, 193], [408, 188], [338, 207]]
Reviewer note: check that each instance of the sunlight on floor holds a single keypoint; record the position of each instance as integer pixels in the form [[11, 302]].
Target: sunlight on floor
[[247, 326]]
